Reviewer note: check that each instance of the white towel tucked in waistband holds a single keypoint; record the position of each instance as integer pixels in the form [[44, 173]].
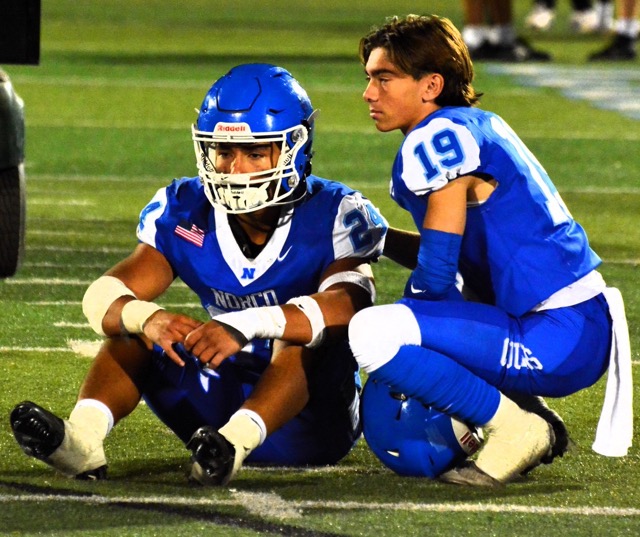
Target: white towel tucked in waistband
[[615, 427]]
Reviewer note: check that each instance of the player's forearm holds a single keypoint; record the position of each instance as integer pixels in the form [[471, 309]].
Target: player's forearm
[[304, 320], [402, 247], [104, 303], [336, 308]]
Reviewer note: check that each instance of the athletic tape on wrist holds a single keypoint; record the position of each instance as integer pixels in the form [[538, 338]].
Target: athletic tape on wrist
[[350, 276], [135, 313], [98, 299], [264, 323], [312, 311]]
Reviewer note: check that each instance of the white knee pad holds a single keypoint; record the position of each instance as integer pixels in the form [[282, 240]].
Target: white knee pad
[[377, 333]]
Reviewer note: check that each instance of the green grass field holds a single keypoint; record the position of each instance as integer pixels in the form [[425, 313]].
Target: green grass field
[[108, 115]]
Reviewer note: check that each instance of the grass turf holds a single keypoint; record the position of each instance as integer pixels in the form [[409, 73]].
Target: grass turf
[[108, 113]]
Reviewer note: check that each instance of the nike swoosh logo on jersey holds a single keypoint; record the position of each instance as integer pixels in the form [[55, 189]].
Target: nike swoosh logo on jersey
[[282, 256], [415, 290]]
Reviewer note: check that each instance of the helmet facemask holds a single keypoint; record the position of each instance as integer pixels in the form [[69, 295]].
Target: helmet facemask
[[248, 192]]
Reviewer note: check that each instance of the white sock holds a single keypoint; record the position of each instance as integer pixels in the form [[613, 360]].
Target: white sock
[[502, 34], [82, 447], [91, 414], [250, 432], [627, 27], [245, 430], [474, 35], [503, 412]]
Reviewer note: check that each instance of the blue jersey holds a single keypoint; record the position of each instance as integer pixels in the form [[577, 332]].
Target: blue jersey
[[332, 222], [522, 244]]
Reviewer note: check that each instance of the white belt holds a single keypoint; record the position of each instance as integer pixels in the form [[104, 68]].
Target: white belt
[[615, 427]]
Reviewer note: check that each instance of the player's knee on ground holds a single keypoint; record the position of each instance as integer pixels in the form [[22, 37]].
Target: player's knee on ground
[[376, 334]]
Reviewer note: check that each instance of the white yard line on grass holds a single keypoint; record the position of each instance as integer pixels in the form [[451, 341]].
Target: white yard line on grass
[[64, 281], [65, 324], [271, 505], [50, 265], [35, 349], [103, 82], [181, 285], [58, 202], [82, 178], [76, 249], [378, 185], [109, 124], [66, 233], [47, 281], [608, 89], [382, 184], [79, 303], [88, 348]]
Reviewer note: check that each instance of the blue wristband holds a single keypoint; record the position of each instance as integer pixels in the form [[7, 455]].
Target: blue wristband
[[435, 275]]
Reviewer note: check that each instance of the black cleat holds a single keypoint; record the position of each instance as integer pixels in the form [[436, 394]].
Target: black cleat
[[467, 473], [622, 48], [538, 405], [518, 52], [38, 432], [93, 475], [561, 445], [212, 455]]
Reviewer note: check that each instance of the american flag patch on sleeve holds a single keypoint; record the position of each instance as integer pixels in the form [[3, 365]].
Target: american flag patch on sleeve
[[191, 233]]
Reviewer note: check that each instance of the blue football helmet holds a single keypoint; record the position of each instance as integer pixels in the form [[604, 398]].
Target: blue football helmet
[[255, 103], [410, 438]]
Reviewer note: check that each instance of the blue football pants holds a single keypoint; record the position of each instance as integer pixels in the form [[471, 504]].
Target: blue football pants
[[186, 398]]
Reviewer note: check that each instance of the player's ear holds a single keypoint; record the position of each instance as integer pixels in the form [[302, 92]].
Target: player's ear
[[432, 86]]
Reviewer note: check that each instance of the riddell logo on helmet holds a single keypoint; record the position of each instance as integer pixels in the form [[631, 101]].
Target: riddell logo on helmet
[[469, 442], [232, 127]]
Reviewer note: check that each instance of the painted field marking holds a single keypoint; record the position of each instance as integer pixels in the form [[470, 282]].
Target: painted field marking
[[88, 348], [272, 505], [57, 203], [80, 250], [64, 281], [606, 89], [50, 265], [65, 303]]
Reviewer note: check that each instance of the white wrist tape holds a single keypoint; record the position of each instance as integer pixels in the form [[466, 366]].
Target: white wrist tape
[[98, 299], [264, 323], [350, 276], [135, 313], [312, 310]]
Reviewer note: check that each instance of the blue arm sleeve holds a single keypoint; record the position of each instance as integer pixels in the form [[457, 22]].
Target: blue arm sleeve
[[435, 276]]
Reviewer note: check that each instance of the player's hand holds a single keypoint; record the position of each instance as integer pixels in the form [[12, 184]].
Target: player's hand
[[166, 329], [213, 342]]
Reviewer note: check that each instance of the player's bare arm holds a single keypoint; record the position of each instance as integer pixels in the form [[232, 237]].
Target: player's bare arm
[[215, 341], [401, 246], [146, 274], [447, 207]]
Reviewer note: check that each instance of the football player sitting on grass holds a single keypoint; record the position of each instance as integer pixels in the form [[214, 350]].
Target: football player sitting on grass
[[279, 259]]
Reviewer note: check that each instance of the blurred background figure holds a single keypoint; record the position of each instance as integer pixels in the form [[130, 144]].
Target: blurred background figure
[[622, 46], [587, 17], [490, 34]]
